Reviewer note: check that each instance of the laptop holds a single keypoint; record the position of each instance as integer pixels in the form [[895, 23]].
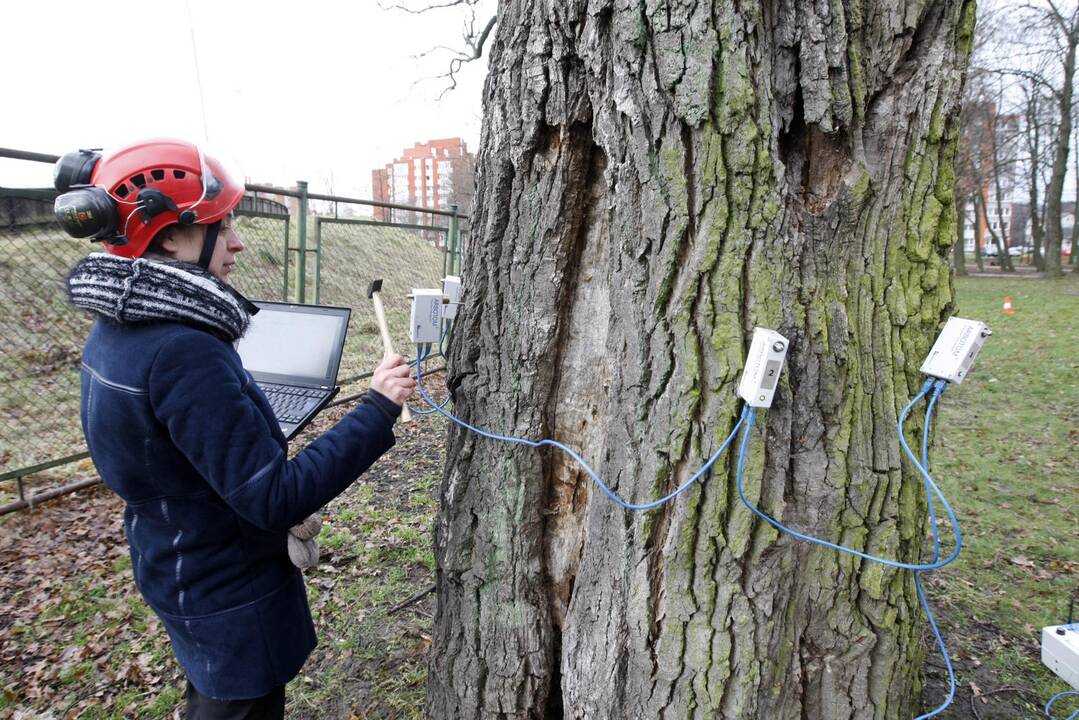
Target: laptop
[[293, 352]]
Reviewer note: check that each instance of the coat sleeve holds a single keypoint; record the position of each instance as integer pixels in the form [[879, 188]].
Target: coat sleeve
[[199, 395]]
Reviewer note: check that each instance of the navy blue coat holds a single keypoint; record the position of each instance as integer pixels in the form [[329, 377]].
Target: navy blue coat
[[180, 431]]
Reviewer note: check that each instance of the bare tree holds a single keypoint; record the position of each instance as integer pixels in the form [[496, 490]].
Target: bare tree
[[475, 32], [1050, 39], [653, 181], [967, 181], [1039, 121], [988, 161], [1003, 133]]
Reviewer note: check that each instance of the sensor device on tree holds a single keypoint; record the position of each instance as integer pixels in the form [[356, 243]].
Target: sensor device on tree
[[425, 325], [451, 288], [955, 349], [763, 365]]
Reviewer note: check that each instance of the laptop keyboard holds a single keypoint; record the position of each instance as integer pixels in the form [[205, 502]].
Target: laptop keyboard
[[290, 403]]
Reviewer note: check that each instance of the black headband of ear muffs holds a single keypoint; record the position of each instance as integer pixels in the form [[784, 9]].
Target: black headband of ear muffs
[[208, 243]]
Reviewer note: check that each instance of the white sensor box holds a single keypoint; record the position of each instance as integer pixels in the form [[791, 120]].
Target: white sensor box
[[426, 322], [451, 288], [763, 365], [1060, 652], [955, 349]]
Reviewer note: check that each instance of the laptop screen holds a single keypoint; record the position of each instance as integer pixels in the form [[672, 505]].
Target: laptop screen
[[294, 343]]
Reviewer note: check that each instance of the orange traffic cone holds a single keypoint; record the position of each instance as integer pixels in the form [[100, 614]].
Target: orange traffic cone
[[1008, 309]]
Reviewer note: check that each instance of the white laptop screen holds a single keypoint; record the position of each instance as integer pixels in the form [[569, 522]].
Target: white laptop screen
[[294, 342]]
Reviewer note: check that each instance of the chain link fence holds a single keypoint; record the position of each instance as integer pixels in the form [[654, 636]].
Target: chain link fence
[[298, 248], [41, 334]]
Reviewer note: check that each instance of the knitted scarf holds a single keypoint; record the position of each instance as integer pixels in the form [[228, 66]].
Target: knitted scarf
[[141, 290]]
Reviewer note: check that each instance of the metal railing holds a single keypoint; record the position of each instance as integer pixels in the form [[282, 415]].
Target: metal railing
[[300, 247]]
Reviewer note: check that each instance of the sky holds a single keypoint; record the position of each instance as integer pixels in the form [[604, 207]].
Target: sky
[[316, 90]]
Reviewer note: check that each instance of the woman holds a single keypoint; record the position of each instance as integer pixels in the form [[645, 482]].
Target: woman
[[179, 430]]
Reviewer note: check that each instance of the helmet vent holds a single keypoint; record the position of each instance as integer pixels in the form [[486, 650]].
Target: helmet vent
[[178, 174], [121, 190], [138, 180], [157, 174]]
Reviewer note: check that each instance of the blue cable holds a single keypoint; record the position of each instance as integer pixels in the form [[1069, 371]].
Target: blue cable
[[938, 390], [923, 468], [943, 650], [442, 340], [420, 357], [938, 387], [585, 466], [432, 411], [937, 563], [415, 363], [1049, 705]]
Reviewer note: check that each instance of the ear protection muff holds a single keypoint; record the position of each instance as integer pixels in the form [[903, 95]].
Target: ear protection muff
[[82, 209], [74, 169], [88, 212]]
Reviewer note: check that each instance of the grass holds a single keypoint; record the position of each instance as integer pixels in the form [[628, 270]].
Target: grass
[[370, 663], [1006, 452]]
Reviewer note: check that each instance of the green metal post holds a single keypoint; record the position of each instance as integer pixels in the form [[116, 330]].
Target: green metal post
[[318, 258], [446, 254], [284, 290], [453, 242], [301, 262]]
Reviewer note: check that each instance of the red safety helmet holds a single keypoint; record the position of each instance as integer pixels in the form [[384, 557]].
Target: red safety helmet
[[126, 197]]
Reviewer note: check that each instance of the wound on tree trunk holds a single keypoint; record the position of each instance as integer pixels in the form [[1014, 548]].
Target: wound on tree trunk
[[654, 180]]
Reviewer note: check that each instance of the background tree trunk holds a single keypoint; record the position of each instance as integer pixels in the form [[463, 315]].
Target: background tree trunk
[[1074, 259], [1034, 150], [959, 259], [1054, 232], [979, 230], [654, 179]]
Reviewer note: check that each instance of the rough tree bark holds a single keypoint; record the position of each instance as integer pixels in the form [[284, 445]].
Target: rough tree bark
[[654, 179]]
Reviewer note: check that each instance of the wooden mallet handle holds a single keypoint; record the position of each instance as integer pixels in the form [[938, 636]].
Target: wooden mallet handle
[[387, 344]]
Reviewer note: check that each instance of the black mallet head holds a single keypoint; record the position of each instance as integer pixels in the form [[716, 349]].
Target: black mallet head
[[374, 287]]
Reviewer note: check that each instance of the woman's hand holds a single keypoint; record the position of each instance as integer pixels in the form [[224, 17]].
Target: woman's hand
[[393, 379]]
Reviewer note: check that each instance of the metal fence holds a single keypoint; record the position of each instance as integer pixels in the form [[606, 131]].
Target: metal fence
[[300, 247]]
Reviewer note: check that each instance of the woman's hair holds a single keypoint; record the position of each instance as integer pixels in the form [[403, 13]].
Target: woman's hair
[[156, 245]]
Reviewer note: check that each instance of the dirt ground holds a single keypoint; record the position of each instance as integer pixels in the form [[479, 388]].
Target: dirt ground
[[76, 639]]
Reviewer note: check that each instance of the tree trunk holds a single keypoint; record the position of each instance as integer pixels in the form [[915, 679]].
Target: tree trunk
[[1075, 216], [1036, 233], [654, 180], [1033, 121], [1002, 239], [979, 229], [1054, 232], [959, 259]]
